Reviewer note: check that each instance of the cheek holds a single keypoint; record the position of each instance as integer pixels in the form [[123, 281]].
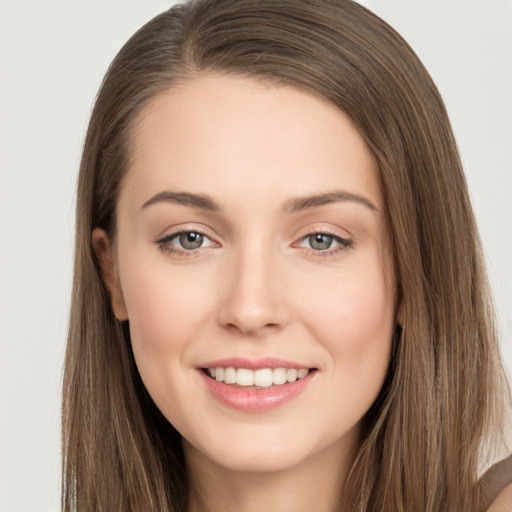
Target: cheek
[[151, 310], [354, 319], [352, 309], [164, 320], [167, 310]]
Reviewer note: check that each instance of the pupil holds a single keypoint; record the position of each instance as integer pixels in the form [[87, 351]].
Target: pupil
[[320, 242], [191, 240]]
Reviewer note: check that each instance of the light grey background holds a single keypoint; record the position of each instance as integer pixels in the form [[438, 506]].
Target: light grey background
[[53, 54]]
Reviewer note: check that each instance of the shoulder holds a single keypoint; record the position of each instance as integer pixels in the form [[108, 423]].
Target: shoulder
[[503, 502], [496, 484]]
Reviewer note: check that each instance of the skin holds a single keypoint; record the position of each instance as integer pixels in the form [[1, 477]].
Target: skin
[[503, 502], [257, 287]]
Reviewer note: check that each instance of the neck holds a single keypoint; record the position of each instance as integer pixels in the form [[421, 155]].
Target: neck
[[315, 484]]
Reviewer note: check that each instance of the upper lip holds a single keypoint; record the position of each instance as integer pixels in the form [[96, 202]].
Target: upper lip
[[254, 364]]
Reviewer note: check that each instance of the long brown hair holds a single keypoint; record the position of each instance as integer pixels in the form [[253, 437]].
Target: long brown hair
[[440, 403]]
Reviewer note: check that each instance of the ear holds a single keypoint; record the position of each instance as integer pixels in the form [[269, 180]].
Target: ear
[[104, 253]]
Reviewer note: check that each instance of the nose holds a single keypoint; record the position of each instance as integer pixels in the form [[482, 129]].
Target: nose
[[254, 298]]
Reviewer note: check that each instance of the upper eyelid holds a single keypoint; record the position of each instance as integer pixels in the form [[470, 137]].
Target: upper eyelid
[[299, 236], [342, 236], [343, 241], [323, 230], [178, 231], [326, 233], [176, 234], [164, 243]]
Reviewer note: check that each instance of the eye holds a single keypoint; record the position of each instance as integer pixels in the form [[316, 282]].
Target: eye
[[190, 240], [320, 241], [184, 241], [324, 242]]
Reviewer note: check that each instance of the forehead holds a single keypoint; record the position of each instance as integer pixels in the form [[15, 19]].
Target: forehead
[[233, 135]]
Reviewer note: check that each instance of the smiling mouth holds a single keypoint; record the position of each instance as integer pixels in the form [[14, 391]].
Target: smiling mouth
[[257, 379]]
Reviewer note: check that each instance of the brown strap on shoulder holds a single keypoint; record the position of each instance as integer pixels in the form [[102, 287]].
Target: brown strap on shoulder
[[495, 480]]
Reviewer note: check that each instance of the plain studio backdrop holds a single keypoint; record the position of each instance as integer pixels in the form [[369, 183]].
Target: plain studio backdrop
[[53, 55]]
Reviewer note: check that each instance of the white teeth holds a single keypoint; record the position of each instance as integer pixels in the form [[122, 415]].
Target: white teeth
[[279, 376], [244, 377], [262, 378], [291, 375], [302, 373], [219, 374], [230, 375]]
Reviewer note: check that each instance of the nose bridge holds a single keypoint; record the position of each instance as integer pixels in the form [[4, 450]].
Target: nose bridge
[[254, 297]]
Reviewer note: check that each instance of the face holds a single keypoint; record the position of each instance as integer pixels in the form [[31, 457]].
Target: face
[[252, 262]]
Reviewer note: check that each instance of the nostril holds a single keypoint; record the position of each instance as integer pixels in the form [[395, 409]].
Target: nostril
[[251, 308]]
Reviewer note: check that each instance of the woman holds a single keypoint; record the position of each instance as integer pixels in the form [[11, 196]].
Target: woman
[[279, 296]]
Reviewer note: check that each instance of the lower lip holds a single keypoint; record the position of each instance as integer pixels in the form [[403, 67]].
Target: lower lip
[[256, 400]]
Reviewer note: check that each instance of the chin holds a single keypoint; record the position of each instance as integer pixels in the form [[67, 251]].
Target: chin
[[268, 451], [257, 460]]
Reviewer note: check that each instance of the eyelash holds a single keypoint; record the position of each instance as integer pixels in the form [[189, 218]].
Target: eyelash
[[344, 243], [165, 245]]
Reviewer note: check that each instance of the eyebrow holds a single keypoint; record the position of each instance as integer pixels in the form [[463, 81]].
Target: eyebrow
[[293, 205], [200, 201], [297, 204]]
